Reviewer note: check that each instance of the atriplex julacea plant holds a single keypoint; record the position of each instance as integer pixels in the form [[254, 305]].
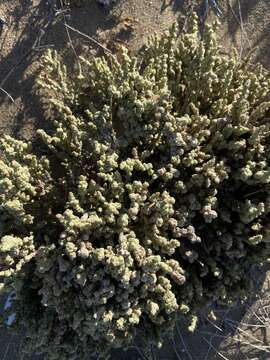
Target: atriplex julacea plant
[[152, 199]]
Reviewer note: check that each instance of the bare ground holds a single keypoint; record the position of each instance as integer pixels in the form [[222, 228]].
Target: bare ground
[[245, 24]]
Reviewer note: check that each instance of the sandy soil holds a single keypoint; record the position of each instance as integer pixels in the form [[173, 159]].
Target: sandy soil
[[129, 22]]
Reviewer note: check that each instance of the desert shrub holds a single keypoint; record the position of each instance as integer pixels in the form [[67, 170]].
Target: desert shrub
[[151, 198]]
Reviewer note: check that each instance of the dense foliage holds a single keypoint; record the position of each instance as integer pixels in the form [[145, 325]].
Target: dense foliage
[[152, 199]]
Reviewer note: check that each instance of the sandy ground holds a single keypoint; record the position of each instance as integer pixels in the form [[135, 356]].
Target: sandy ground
[[129, 22]]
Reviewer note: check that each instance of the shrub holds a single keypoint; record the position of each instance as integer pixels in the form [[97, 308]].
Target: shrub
[[152, 198]]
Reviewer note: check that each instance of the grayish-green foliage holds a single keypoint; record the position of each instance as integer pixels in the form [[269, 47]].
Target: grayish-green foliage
[[153, 198]]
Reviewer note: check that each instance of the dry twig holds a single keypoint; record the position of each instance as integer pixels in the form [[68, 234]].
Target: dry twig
[[89, 38]]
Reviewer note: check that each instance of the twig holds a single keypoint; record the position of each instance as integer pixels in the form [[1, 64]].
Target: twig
[[89, 38], [8, 346], [260, 320], [183, 342], [69, 38], [217, 328], [210, 344], [34, 47], [253, 193], [68, 33], [19, 62], [240, 340], [8, 95], [140, 352], [22, 354], [261, 347], [204, 332], [212, 323], [245, 324], [263, 307], [247, 334], [242, 30], [175, 348], [53, 13], [238, 21], [152, 352]]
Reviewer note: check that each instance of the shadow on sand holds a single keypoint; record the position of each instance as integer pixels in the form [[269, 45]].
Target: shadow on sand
[[20, 65]]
